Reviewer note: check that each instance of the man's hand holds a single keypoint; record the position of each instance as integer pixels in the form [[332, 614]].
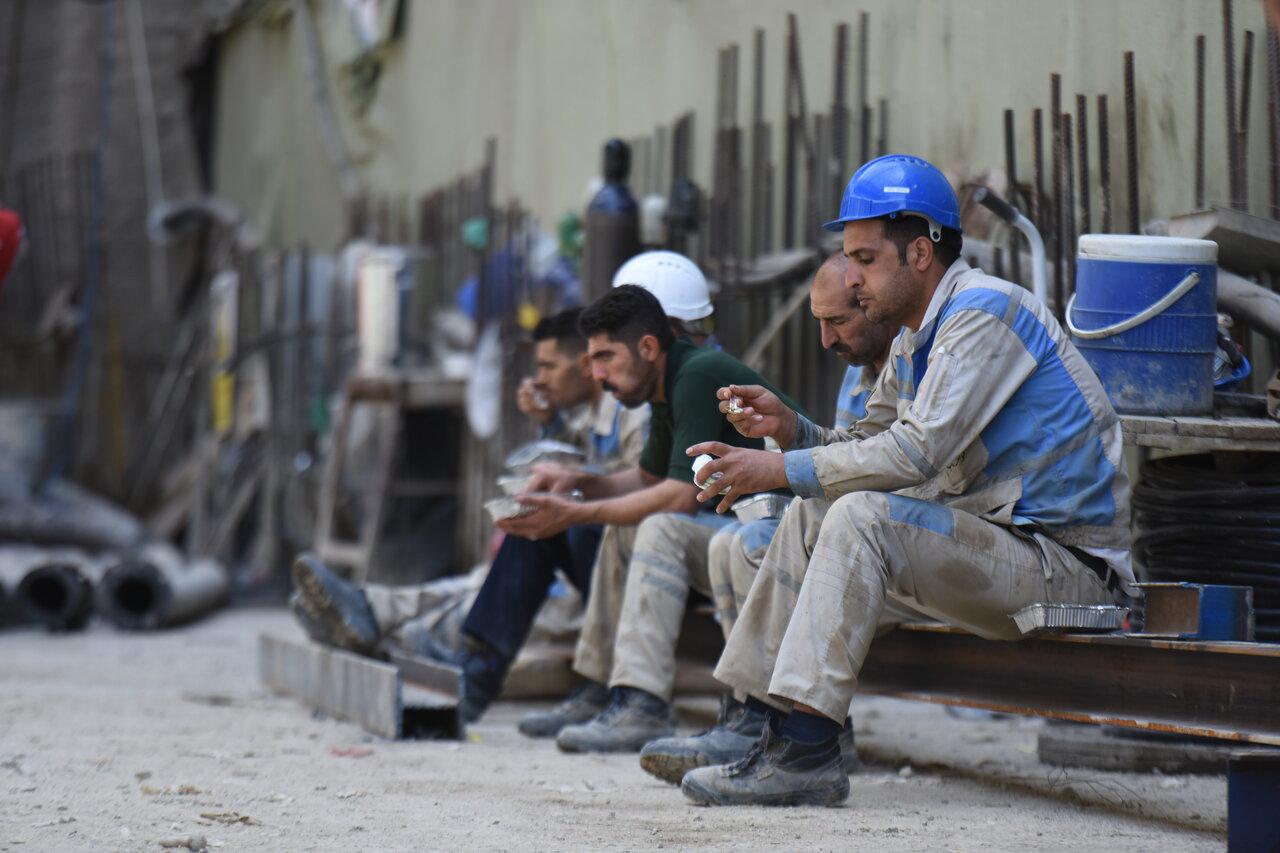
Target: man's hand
[[761, 415], [554, 477], [746, 472], [552, 515], [533, 402]]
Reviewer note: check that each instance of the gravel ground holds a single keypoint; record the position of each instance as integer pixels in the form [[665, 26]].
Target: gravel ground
[[111, 741]]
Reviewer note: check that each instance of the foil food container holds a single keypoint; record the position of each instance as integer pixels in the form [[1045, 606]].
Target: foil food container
[[513, 484], [761, 506], [1069, 618], [510, 507], [698, 465], [545, 450]]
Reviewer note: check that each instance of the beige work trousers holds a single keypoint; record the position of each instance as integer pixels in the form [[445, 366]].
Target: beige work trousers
[[822, 588], [593, 657], [668, 559]]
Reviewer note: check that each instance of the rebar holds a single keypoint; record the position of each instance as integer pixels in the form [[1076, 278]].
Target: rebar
[[1011, 172], [1242, 132], [1037, 189], [1068, 212], [1082, 137], [1104, 162], [1055, 207], [1131, 142], [1229, 79], [1199, 143], [864, 108]]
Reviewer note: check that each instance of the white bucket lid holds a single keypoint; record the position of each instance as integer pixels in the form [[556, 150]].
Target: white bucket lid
[[1143, 247]]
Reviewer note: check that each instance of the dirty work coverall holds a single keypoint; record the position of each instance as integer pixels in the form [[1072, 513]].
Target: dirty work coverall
[[1006, 458], [517, 583]]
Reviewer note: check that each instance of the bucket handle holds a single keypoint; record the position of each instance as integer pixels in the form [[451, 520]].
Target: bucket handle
[[1184, 287]]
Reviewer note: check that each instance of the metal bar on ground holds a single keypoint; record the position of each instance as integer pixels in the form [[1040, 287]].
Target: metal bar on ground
[[1206, 689]]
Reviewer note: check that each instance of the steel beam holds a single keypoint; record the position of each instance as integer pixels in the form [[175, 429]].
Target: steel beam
[[1207, 689]]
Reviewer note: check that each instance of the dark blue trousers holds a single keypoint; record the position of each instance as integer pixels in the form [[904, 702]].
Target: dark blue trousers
[[518, 582]]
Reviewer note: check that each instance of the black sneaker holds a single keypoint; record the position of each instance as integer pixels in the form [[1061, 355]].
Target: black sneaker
[[583, 704], [730, 739], [633, 718], [336, 608], [776, 772]]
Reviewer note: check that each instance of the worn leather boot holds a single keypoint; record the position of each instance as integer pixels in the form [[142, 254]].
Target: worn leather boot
[[336, 608], [583, 704], [632, 719], [776, 772]]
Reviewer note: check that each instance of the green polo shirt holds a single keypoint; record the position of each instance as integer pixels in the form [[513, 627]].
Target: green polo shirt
[[692, 413]]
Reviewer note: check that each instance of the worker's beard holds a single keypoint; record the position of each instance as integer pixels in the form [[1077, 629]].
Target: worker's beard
[[638, 392], [892, 304]]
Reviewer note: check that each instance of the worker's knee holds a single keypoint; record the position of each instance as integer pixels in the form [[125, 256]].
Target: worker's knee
[[859, 510]]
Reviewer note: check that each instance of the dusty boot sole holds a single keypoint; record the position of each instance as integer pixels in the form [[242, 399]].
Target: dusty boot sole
[[315, 600], [830, 797], [670, 767]]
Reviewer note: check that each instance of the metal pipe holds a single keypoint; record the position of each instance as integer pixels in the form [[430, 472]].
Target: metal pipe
[[1199, 155], [156, 588], [1104, 162], [1131, 142], [57, 595]]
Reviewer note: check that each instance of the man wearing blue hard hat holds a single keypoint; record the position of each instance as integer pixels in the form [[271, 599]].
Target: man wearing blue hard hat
[[985, 477]]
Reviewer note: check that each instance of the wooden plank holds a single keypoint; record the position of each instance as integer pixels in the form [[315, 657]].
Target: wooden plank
[[342, 685]]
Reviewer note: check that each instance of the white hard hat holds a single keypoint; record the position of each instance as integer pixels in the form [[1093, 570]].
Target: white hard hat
[[675, 280]]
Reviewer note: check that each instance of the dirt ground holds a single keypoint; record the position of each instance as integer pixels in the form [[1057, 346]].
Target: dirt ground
[[111, 741]]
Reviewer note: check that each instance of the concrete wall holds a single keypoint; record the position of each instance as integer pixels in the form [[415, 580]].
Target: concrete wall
[[551, 79]]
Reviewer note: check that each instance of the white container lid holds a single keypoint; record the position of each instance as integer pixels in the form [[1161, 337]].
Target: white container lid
[[1143, 247]]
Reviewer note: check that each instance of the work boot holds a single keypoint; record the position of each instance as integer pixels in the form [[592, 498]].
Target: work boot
[[848, 749], [776, 772], [736, 730], [583, 704], [633, 718], [315, 630], [337, 607], [483, 669]]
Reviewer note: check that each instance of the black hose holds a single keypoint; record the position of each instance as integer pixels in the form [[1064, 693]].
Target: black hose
[[1201, 524]]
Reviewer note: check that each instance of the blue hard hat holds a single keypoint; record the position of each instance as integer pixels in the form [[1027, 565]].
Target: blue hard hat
[[899, 183]]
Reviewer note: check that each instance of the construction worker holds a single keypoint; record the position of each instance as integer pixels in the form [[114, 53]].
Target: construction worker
[[986, 476], [637, 356], [680, 286], [728, 566], [569, 404]]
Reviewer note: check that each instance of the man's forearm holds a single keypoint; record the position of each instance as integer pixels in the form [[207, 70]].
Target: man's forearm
[[626, 481], [665, 496]]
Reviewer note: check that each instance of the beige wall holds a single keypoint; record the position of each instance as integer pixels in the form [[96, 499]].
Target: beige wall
[[553, 78]]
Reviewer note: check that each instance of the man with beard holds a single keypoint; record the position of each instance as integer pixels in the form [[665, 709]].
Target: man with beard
[[986, 476], [736, 551], [637, 357]]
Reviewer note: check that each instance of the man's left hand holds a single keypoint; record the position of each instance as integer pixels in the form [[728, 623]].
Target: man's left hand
[[553, 514], [746, 472]]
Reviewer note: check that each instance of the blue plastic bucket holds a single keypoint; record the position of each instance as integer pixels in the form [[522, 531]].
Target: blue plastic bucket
[[1144, 316]]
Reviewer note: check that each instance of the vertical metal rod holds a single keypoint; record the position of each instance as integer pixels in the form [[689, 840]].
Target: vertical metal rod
[[864, 109], [840, 110], [1273, 117], [1104, 162], [1199, 150], [1011, 172], [1037, 147], [882, 144], [1131, 142], [790, 132], [1082, 136], [759, 221], [1055, 206], [1242, 132], [1068, 211], [1229, 74]]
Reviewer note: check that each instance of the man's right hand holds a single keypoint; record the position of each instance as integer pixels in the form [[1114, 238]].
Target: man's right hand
[[553, 477], [761, 415], [527, 399]]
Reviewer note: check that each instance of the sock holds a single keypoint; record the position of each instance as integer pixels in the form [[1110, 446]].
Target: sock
[[809, 729], [757, 707]]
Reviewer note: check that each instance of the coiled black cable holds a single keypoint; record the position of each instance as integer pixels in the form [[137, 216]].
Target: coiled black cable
[[1200, 523]]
